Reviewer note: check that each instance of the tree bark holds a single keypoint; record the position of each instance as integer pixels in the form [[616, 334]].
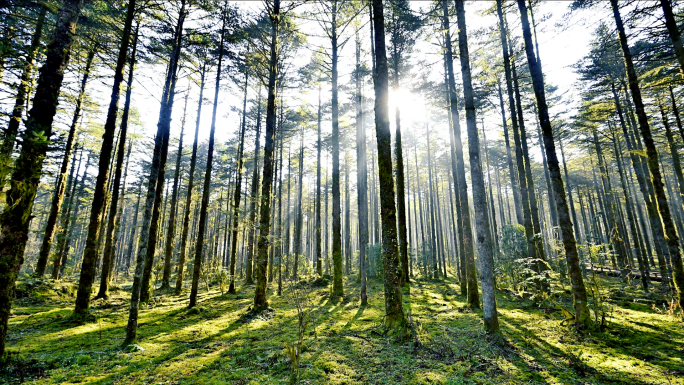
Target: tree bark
[[484, 241], [253, 199], [394, 314], [206, 191], [652, 158], [16, 216], [10, 135], [567, 234], [150, 218], [338, 288], [468, 258], [191, 182], [60, 187], [108, 257], [91, 252], [361, 175], [260, 299]]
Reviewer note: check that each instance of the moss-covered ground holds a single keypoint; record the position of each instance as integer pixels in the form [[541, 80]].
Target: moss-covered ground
[[223, 342]]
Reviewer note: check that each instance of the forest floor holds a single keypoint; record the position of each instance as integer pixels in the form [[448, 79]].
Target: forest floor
[[221, 341]]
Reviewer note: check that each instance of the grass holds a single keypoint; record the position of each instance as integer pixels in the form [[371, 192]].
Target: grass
[[223, 342]]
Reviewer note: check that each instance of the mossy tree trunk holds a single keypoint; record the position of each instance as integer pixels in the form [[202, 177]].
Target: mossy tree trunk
[[260, 298], [395, 320], [60, 186], [91, 251], [567, 234], [16, 216]]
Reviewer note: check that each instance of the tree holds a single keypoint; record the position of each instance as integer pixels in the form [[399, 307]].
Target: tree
[[567, 234], [15, 218], [394, 313], [484, 241]]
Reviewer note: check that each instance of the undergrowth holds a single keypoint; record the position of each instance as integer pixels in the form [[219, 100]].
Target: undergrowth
[[223, 341]]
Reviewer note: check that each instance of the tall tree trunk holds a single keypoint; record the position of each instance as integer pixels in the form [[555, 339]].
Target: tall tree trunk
[[361, 175], [484, 241], [394, 313], [253, 198], [299, 218], [643, 267], [238, 188], [107, 259], [16, 216], [58, 195], [91, 253], [260, 300], [191, 182], [652, 156], [206, 191], [65, 215], [567, 233], [150, 219], [673, 31], [433, 232], [10, 135], [401, 195], [511, 171], [337, 289], [676, 164], [318, 257], [466, 234], [171, 227]]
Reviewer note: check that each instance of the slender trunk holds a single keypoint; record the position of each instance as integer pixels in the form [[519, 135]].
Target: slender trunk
[[401, 195], [206, 191], [97, 211], [253, 198], [394, 314], [65, 215], [107, 260], [466, 235], [299, 210], [673, 31], [652, 156], [10, 134], [361, 175], [337, 289], [148, 233], [16, 216], [673, 153], [260, 300], [567, 233], [511, 171], [171, 227], [191, 182], [318, 257], [484, 242], [58, 195]]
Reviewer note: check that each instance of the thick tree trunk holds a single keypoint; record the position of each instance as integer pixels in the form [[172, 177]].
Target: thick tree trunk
[[16, 216], [107, 260], [260, 299], [652, 156], [60, 186], [484, 241], [394, 314], [206, 191], [91, 252]]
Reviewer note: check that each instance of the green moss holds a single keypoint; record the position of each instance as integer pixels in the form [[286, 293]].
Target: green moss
[[223, 342]]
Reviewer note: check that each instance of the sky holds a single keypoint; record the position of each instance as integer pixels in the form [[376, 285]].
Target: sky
[[562, 43]]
